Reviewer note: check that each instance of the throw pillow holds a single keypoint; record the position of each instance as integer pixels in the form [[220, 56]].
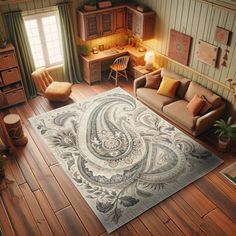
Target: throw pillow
[[153, 81], [195, 105], [168, 87], [206, 107]]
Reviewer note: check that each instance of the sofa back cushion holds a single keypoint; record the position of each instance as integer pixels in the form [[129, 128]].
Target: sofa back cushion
[[153, 81], [183, 82], [195, 88], [168, 87]]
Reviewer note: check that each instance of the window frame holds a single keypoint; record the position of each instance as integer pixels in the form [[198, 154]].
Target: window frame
[[38, 17]]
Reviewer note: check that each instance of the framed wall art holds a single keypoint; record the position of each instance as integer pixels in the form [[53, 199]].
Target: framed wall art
[[222, 35], [179, 46], [207, 53]]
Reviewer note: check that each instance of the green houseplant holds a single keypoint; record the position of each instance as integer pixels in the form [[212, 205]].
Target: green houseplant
[[3, 41], [226, 131]]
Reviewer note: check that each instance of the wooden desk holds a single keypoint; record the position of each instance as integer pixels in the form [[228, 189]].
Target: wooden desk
[[94, 64]]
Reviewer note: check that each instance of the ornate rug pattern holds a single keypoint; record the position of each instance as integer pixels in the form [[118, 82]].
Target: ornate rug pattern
[[122, 157]]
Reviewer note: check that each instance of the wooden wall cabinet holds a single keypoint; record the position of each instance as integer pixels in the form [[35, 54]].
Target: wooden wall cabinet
[[92, 27], [139, 24], [11, 86], [106, 23], [118, 19], [96, 25]]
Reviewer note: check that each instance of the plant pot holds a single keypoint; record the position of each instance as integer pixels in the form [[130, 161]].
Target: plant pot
[[3, 44], [223, 144]]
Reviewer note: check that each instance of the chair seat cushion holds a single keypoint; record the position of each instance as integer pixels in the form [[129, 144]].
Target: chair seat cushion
[[152, 99], [178, 111], [58, 91]]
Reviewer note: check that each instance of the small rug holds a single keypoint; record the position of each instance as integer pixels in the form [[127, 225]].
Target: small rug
[[230, 173], [122, 157]]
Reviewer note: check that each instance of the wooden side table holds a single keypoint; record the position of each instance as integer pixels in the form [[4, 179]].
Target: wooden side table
[[140, 71], [14, 129]]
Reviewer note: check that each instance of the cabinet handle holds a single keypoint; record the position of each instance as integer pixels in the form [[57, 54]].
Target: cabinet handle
[[9, 71], [6, 56]]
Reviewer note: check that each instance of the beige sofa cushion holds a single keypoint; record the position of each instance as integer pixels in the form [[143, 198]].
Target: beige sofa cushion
[[194, 88], [152, 99], [178, 111], [183, 85]]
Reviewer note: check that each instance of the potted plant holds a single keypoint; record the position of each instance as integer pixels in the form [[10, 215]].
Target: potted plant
[[3, 160], [3, 41], [226, 131], [84, 50]]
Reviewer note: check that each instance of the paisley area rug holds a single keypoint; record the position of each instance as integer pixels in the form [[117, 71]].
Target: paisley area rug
[[122, 157]]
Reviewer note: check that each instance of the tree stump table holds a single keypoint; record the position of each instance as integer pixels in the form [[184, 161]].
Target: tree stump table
[[14, 129]]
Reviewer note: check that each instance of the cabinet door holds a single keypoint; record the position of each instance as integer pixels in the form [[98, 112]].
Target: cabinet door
[[106, 23], [119, 20], [92, 26], [130, 16], [138, 25]]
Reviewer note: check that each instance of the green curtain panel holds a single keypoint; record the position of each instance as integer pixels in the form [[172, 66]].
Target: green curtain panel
[[71, 61], [18, 37]]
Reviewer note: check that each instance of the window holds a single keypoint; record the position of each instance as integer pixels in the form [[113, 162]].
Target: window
[[43, 33]]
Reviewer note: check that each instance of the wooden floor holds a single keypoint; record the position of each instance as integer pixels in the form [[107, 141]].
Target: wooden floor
[[38, 198]]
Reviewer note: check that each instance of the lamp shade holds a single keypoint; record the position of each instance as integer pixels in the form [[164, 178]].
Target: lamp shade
[[149, 57]]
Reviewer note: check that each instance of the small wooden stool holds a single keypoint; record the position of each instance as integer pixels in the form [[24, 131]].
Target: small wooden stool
[[14, 129]]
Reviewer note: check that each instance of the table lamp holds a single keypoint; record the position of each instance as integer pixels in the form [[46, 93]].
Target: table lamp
[[149, 58]]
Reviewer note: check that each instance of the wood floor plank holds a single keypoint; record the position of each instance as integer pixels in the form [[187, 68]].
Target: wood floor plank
[[25, 113], [126, 231], [161, 214], [71, 222], [174, 228], [140, 227], [5, 223], [226, 225], [27, 172], [222, 184], [154, 224], [204, 226], [49, 213], [18, 211], [218, 197], [197, 200], [180, 218], [15, 169], [46, 180], [36, 210], [91, 222]]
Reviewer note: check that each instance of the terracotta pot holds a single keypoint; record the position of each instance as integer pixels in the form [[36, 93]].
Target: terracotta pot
[[224, 143]]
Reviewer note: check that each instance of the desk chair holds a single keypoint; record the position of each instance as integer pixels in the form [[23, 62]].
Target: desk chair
[[119, 66], [50, 89]]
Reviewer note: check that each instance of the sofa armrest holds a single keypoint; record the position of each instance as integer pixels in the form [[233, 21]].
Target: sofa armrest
[[140, 82], [207, 120]]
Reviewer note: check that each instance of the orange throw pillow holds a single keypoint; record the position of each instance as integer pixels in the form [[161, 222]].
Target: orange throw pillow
[[168, 87], [195, 105]]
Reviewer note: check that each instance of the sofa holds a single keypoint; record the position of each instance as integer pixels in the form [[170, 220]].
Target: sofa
[[176, 108]]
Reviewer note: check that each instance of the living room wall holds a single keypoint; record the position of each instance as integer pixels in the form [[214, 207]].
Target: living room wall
[[199, 20], [192, 17]]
